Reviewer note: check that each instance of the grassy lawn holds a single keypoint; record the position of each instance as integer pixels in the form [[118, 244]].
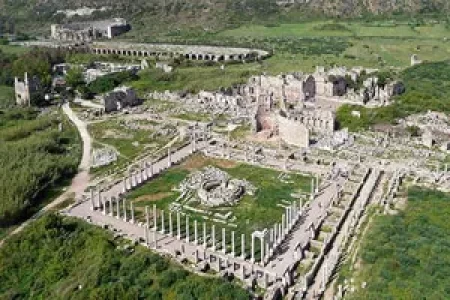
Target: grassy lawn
[[407, 256], [6, 96], [194, 78], [252, 212], [11, 49]]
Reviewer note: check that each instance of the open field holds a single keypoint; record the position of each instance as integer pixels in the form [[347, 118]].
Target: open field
[[407, 256], [251, 213]]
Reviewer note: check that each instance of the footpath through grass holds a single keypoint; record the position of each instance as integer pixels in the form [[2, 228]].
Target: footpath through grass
[[408, 256]]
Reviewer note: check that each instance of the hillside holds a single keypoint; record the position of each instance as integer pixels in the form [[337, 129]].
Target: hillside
[[205, 15]]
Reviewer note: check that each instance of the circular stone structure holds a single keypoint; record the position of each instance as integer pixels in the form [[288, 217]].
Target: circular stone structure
[[214, 187]]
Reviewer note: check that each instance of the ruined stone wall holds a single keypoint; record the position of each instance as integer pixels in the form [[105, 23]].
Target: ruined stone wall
[[293, 132]]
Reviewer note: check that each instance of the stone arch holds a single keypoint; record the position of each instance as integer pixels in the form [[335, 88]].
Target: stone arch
[[221, 58], [200, 57], [135, 53], [207, 57]]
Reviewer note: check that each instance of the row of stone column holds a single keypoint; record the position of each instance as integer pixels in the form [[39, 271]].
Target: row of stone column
[[200, 234], [242, 271], [272, 238], [114, 207], [147, 170]]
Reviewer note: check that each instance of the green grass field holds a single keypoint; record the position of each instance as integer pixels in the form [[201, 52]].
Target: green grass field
[[10, 49], [6, 96], [407, 256]]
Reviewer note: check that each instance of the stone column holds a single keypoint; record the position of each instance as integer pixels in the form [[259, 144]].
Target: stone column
[[118, 207], [99, 197], [194, 145], [170, 224], [252, 259], [169, 158], [283, 224], [243, 246], [317, 184], [125, 218], [195, 232], [263, 248], [138, 178], [178, 225], [144, 172], [288, 218], [155, 218], [133, 220], [111, 208], [92, 200], [275, 235], [270, 243], [205, 243], [124, 187], [149, 170], [132, 180], [147, 217], [104, 210], [233, 253], [162, 222], [187, 229], [147, 242], [213, 236], [224, 243]]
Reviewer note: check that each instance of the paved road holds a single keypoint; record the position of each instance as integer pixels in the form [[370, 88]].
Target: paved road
[[79, 182]]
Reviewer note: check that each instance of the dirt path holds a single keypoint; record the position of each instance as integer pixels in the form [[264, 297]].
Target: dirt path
[[79, 182]]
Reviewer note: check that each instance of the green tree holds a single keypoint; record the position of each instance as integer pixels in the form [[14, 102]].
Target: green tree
[[75, 78]]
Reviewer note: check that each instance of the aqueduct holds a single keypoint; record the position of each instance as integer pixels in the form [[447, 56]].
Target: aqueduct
[[202, 53]]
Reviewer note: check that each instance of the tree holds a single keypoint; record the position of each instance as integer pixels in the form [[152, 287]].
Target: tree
[[75, 78]]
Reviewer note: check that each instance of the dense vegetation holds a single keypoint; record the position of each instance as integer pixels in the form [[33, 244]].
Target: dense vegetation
[[60, 258], [427, 88], [407, 256], [36, 62], [34, 156]]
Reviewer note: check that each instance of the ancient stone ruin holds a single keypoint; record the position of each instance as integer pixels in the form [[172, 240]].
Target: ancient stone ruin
[[88, 31], [214, 187]]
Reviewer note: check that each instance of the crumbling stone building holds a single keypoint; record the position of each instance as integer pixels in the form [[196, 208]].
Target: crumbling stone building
[[88, 31], [27, 90], [120, 98]]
